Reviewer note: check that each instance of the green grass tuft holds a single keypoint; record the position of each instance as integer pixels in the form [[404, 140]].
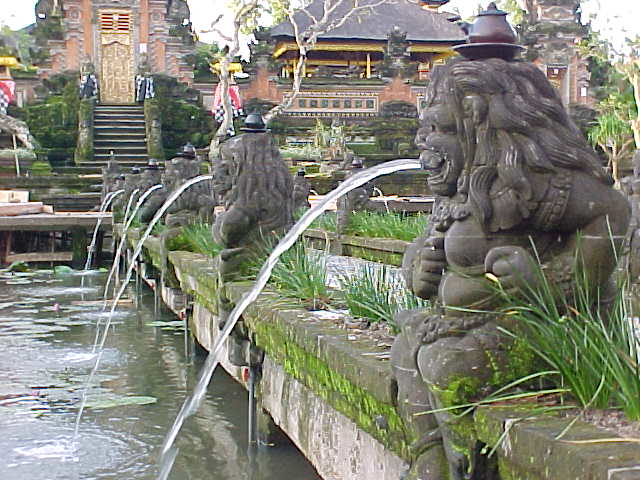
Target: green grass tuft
[[196, 238], [302, 275], [375, 294], [595, 349]]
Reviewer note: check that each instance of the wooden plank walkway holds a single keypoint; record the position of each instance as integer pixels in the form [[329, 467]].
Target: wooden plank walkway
[[52, 222], [40, 257], [80, 224]]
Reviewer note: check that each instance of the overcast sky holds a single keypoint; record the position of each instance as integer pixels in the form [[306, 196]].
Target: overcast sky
[[615, 18]]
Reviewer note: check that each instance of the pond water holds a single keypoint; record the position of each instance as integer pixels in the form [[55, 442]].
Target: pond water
[[47, 331]]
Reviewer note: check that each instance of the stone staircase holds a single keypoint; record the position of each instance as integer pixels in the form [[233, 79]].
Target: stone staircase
[[121, 129]]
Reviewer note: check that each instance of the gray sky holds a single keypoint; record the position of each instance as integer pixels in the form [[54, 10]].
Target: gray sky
[[614, 18]]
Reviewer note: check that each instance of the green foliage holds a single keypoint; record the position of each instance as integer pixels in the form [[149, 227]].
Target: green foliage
[[302, 274], [204, 56], [387, 225], [183, 119], [399, 226], [612, 130], [54, 122], [326, 221], [16, 43], [593, 346], [196, 238], [376, 294], [304, 152], [40, 169]]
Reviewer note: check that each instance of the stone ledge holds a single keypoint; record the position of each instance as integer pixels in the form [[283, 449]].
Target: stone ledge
[[530, 451], [311, 350]]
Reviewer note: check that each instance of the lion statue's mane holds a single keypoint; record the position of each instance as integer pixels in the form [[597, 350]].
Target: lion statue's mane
[[525, 130]]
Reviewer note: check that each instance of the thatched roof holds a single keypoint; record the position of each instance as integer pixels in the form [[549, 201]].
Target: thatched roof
[[419, 24]]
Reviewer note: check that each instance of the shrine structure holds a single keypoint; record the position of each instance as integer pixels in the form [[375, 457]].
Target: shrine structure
[[552, 32], [377, 56], [117, 37]]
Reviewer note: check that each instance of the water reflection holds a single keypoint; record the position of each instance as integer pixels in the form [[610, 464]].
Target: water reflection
[[46, 336]]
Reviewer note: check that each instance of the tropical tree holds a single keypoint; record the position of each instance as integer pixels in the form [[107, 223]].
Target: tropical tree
[[612, 132]]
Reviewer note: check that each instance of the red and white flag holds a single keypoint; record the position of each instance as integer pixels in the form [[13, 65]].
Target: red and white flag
[[236, 103], [7, 94]]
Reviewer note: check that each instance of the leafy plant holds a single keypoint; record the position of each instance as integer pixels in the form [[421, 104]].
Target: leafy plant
[[594, 347], [377, 294], [302, 274]]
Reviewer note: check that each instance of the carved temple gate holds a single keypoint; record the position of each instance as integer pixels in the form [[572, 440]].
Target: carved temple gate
[[116, 43]]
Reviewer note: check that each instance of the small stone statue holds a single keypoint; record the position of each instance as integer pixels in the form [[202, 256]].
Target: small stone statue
[[301, 190], [129, 185], [255, 189], [144, 82], [356, 200], [516, 184], [88, 81], [193, 204], [109, 175]]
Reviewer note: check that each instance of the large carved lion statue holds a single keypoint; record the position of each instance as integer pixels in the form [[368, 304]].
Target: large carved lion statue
[[518, 188], [255, 188]]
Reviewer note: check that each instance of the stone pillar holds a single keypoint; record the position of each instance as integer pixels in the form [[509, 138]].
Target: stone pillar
[[5, 246], [79, 246], [87, 28]]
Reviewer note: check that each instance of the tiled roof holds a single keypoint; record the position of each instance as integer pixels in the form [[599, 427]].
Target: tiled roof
[[419, 24]]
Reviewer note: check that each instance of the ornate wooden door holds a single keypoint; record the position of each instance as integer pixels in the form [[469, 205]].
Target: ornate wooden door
[[116, 72]]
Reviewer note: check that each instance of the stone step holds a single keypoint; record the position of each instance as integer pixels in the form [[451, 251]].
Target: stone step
[[122, 121], [119, 108], [109, 114], [125, 165], [80, 169], [129, 156], [118, 129], [119, 142], [120, 153], [126, 136]]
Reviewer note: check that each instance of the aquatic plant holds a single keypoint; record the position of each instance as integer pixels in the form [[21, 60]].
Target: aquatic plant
[[377, 294]]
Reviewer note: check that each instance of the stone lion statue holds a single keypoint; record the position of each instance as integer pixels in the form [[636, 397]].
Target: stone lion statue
[[255, 188], [518, 188]]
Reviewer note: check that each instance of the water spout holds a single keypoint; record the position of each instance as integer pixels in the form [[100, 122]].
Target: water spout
[[191, 404], [127, 224], [103, 208], [379, 192], [136, 252]]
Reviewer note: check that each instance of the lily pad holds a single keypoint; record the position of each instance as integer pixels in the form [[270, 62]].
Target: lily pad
[[62, 270], [18, 267], [120, 401]]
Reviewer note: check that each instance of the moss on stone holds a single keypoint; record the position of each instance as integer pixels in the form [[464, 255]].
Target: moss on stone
[[40, 169], [349, 399]]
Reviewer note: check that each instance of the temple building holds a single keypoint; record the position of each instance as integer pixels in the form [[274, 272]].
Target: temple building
[[375, 57], [551, 32], [117, 38]]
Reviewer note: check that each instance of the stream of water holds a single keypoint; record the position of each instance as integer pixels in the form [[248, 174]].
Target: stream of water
[[47, 329]]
